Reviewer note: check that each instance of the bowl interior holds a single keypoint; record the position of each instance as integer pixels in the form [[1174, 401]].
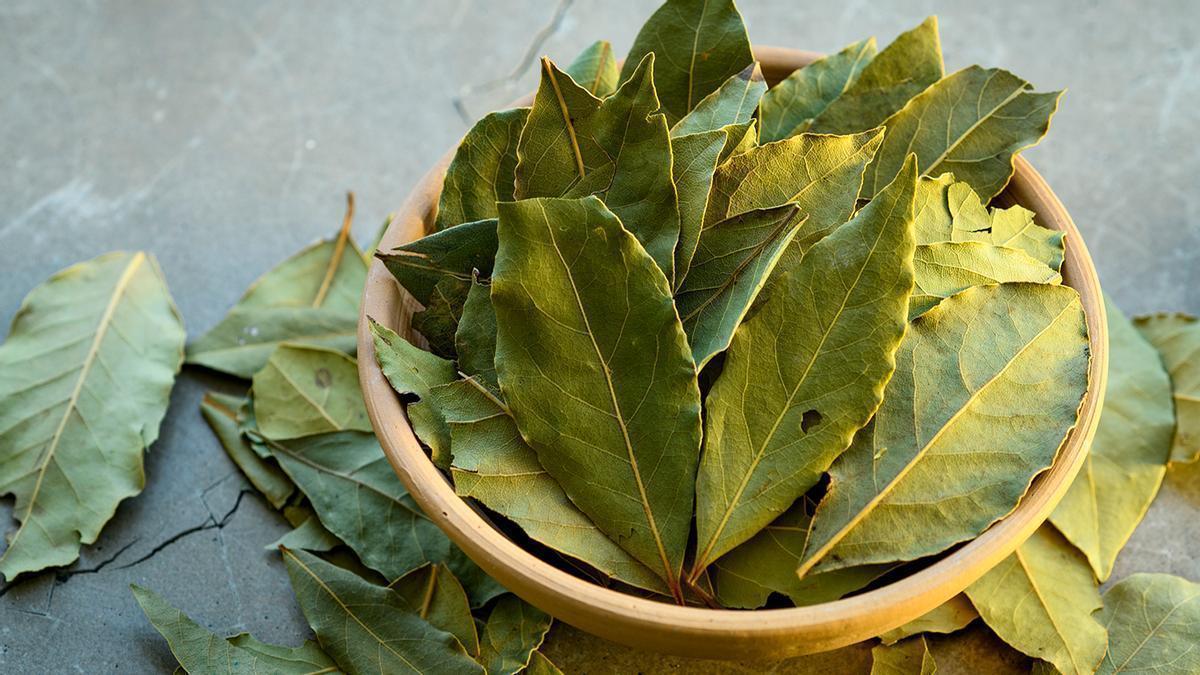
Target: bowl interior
[[691, 631]]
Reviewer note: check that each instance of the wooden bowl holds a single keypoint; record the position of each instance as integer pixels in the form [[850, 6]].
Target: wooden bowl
[[713, 633]]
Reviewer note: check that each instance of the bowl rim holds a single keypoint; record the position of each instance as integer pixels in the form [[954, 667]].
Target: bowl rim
[[722, 633]]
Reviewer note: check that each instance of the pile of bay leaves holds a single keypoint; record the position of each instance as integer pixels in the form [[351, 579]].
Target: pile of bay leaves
[[683, 335]]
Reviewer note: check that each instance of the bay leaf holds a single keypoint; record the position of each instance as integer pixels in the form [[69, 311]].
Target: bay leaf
[[733, 260], [85, 378], [220, 411], [309, 535], [804, 372], [803, 95], [305, 390], [734, 102], [455, 252], [494, 465], [514, 630], [368, 628], [949, 617], [971, 123], [1041, 600], [540, 665], [699, 43], [433, 593], [596, 70], [200, 651], [438, 322], [1013, 227], [596, 371], [820, 174], [910, 657], [413, 373], [1177, 339], [310, 298], [619, 149], [740, 139], [1122, 473], [483, 170], [694, 161], [932, 220], [988, 370], [475, 341], [946, 268], [903, 69], [1153, 623]]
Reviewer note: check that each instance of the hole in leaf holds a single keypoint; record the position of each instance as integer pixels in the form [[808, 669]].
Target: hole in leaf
[[810, 419]]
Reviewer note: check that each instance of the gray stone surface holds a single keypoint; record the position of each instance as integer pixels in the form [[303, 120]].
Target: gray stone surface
[[220, 135]]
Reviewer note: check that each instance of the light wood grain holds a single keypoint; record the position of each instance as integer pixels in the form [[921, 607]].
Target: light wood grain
[[709, 633]]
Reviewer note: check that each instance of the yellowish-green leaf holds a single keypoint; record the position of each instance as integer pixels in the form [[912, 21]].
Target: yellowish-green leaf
[[596, 70], [796, 101], [734, 102], [948, 617], [1153, 623], [199, 651], [971, 123], [514, 630], [699, 44], [804, 372], [495, 466], [540, 665], [482, 171], [85, 377], [910, 657], [475, 340], [904, 68], [733, 260], [1177, 339], [988, 371], [1041, 601], [1122, 473], [618, 149], [594, 365], [413, 373], [433, 593], [456, 252], [220, 411], [305, 390], [946, 268], [368, 628]]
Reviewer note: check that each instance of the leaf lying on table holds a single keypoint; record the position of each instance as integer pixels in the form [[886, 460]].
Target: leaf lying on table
[[596, 371], [805, 372], [310, 535], [1008, 364], [950, 616], [699, 45], [310, 298], [482, 170], [1041, 601], [220, 411], [1177, 339], [368, 628], [433, 593], [199, 651], [596, 70], [540, 665], [514, 630], [790, 106], [910, 657], [85, 377], [946, 268], [306, 390], [1153, 623], [1125, 467]]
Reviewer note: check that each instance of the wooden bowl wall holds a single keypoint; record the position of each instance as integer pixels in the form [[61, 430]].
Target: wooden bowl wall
[[701, 632]]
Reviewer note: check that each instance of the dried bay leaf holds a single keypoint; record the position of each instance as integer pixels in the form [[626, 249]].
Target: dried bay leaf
[[514, 630], [455, 253], [803, 95], [733, 260], [309, 535], [413, 373], [305, 390], [540, 665], [733, 103], [1177, 339], [310, 298], [619, 149], [596, 371], [694, 161], [699, 44], [368, 628], [199, 651], [475, 341], [85, 377], [949, 617], [220, 411], [482, 171], [1153, 623], [494, 465], [596, 70], [433, 593], [805, 372], [946, 268], [1041, 601], [1122, 473], [910, 657], [438, 322], [971, 123], [987, 371], [903, 69]]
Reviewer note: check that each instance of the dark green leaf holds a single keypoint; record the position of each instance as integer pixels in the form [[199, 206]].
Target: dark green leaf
[[695, 160], [482, 171], [796, 101], [475, 340], [220, 411], [433, 593], [438, 322], [456, 252], [514, 630]]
